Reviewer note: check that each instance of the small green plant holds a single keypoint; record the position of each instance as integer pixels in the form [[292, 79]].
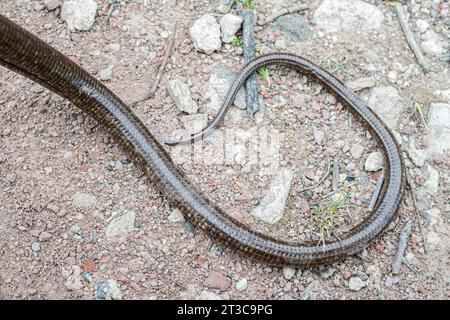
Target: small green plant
[[419, 110], [326, 217], [264, 73], [334, 65], [236, 42], [247, 4]]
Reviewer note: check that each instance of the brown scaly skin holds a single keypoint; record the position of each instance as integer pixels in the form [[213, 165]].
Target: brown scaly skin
[[22, 52]]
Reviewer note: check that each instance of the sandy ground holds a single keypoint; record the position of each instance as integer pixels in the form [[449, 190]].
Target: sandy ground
[[51, 152]]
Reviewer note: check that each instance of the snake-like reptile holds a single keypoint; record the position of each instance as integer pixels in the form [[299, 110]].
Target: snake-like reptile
[[26, 54]]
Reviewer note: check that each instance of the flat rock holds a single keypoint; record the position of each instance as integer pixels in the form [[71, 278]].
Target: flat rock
[[438, 128], [84, 201], [387, 104], [229, 25], [217, 280], [79, 14], [347, 16], [293, 26], [205, 34], [182, 96], [119, 227], [217, 87], [374, 161], [271, 207]]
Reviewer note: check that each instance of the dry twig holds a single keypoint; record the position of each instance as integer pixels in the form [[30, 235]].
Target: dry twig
[[402, 243], [282, 12]]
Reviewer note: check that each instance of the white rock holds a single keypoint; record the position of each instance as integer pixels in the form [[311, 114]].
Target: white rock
[[205, 34], [433, 44], [206, 295], [356, 151], [422, 25], [289, 272], [84, 200], [176, 216], [356, 284], [417, 156], [431, 184], [374, 161], [106, 73], [347, 16], [387, 104], [79, 14], [229, 25], [271, 207], [439, 128], [392, 76], [119, 227], [241, 285], [182, 95]]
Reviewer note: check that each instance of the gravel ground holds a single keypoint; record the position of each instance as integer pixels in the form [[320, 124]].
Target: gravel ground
[[80, 221]]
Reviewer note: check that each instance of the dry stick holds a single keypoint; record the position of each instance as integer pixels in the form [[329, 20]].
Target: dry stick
[[110, 12], [335, 177], [169, 47], [327, 173], [377, 191], [410, 37], [282, 12], [252, 97], [402, 243]]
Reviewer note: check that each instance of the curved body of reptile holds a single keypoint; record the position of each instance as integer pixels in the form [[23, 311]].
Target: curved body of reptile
[[22, 52]]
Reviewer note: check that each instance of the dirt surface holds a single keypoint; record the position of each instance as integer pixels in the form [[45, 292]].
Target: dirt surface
[[63, 179]]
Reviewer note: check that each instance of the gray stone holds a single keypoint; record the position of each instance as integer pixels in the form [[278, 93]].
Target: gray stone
[[225, 6], [356, 284], [294, 27], [417, 156], [36, 246], [271, 207], [106, 74], [182, 96], [79, 14], [387, 104], [433, 44], [176, 216], [289, 272], [347, 16], [241, 285], [108, 290], [229, 25], [217, 87], [361, 83], [374, 161], [431, 184], [438, 128], [119, 227], [356, 151], [422, 25], [205, 34], [52, 4], [37, 88], [84, 201]]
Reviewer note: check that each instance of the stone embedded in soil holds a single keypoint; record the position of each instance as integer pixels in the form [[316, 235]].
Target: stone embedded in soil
[[176, 216], [52, 4], [106, 74], [417, 156], [438, 128], [229, 25], [241, 285], [356, 284], [361, 83], [182, 96], [217, 280], [356, 151], [289, 272], [36, 246], [119, 227], [387, 104], [79, 14], [433, 44], [422, 25], [347, 16], [84, 201], [294, 27], [374, 161], [217, 87], [431, 184], [271, 207], [37, 88], [108, 290], [205, 34]]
